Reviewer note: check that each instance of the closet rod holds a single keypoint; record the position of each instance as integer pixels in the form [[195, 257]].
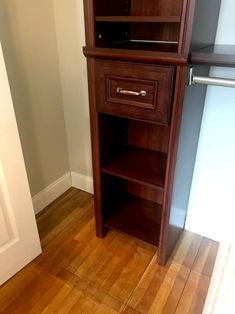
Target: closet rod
[[217, 81]]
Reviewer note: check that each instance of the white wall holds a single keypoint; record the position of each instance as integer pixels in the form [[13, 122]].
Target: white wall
[[213, 187], [27, 32], [42, 43], [69, 21]]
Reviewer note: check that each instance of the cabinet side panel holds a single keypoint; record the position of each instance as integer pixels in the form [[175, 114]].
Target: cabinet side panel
[[89, 22], [186, 26], [187, 149], [206, 17], [168, 231], [94, 122]]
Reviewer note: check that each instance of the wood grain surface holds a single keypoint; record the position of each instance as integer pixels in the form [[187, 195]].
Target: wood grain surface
[[80, 273]]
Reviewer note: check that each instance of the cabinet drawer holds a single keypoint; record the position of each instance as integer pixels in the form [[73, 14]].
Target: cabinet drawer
[[134, 90]]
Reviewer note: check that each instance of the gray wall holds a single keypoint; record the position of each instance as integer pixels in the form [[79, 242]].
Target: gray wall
[[27, 33], [212, 198], [69, 23], [42, 43]]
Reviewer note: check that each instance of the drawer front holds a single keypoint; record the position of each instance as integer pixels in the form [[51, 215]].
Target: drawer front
[[134, 90]]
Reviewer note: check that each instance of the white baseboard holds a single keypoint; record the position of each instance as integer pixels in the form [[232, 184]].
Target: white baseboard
[[82, 182], [57, 188], [51, 192]]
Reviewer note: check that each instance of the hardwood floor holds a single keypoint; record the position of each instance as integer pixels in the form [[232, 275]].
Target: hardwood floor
[[79, 273]]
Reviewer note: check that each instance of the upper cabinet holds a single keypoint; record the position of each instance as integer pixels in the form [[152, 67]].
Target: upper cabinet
[[134, 24], [153, 26]]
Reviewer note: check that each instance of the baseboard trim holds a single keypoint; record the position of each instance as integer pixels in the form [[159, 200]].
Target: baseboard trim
[[82, 182], [58, 187], [51, 192]]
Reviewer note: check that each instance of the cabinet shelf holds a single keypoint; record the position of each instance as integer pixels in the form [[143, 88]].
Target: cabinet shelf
[[136, 216], [139, 165], [217, 55], [147, 45], [117, 52], [139, 19]]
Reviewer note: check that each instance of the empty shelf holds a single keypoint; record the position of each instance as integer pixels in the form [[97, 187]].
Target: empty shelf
[[135, 216], [139, 165]]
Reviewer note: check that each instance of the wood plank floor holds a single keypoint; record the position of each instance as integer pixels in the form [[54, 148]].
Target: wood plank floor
[[79, 273]]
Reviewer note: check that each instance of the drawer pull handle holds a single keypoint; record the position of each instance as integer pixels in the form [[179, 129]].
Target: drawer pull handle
[[142, 93]]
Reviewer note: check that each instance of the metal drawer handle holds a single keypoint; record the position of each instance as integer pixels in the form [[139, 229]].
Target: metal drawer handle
[[122, 91]]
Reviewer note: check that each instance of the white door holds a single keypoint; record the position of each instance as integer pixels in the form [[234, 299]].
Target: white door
[[19, 240]]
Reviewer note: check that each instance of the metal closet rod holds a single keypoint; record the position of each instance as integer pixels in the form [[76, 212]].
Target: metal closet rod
[[216, 81]]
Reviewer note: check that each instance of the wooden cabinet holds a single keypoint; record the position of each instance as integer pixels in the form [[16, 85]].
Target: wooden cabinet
[[137, 54]]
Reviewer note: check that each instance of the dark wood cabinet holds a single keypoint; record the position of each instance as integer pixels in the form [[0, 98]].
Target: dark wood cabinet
[[137, 54]]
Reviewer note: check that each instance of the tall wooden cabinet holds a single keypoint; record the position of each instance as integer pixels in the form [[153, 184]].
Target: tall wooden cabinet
[[137, 54]]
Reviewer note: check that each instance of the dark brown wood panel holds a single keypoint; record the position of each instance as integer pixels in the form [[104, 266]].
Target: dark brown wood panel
[[166, 32], [136, 216], [139, 165], [186, 27], [148, 135], [112, 133], [161, 7], [89, 22], [117, 7], [95, 147], [158, 57], [172, 223], [155, 81], [146, 192]]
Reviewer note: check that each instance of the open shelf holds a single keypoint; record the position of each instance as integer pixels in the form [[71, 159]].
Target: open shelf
[[154, 33], [136, 216], [217, 55], [139, 165], [145, 22], [145, 19]]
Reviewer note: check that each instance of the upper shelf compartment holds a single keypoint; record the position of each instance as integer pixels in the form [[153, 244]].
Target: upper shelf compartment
[[138, 7], [152, 25], [138, 35]]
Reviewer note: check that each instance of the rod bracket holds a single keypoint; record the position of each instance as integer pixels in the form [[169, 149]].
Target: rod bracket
[[190, 77]]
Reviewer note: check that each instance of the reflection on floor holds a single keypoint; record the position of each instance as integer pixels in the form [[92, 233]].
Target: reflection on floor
[[79, 273]]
